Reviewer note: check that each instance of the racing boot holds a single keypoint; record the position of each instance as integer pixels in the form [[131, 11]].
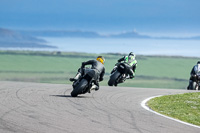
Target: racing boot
[[96, 88], [96, 85], [78, 75]]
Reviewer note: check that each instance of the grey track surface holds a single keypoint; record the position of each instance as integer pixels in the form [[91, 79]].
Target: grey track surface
[[42, 108]]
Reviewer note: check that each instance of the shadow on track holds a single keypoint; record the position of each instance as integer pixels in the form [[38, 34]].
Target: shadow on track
[[69, 96], [61, 95]]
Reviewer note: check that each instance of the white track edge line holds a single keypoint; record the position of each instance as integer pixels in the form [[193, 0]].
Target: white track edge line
[[143, 104]]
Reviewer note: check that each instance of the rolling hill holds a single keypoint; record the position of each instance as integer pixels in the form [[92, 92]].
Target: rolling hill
[[13, 39]]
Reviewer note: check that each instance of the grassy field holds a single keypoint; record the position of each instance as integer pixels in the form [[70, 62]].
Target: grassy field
[[185, 107], [57, 67]]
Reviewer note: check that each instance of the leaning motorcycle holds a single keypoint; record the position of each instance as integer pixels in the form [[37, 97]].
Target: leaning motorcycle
[[195, 84], [119, 74], [85, 83]]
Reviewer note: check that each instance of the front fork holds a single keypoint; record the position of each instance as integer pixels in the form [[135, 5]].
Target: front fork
[[121, 78]]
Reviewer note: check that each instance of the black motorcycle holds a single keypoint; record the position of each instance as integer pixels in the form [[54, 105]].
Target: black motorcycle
[[85, 83], [119, 74], [195, 84]]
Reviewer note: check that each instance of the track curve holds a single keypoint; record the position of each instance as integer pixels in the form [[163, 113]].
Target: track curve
[[35, 107]]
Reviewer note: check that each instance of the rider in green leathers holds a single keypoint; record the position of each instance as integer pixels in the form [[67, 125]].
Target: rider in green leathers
[[131, 61]]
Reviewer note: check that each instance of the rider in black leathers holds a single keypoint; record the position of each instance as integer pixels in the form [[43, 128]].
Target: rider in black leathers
[[96, 65], [194, 72]]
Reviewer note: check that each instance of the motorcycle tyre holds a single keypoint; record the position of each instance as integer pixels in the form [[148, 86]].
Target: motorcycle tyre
[[113, 78], [190, 86], [78, 90]]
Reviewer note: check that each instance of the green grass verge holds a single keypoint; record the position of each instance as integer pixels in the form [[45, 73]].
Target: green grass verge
[[185, 107], [58, 67]]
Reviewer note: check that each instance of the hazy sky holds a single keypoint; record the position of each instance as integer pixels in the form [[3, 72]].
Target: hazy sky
[[144, 16]]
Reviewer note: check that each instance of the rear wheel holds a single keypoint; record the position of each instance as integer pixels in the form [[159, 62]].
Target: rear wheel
[[79, 88], [190, 86], [113, 78]]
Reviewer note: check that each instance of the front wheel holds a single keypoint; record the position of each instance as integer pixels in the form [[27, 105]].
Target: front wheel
[[79, 88], [113, 78]]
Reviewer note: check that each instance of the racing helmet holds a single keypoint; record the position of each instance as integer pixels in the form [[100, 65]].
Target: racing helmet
[[101, 59], [131, 54]]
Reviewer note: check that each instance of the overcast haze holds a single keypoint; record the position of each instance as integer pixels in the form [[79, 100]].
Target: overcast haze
[[144, 16]]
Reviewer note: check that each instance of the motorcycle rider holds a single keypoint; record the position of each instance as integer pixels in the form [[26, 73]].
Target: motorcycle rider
[[97, 65], [131, 61], [194, 72]]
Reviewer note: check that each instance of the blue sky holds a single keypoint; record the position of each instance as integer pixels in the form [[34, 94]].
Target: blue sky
[[145, 16]]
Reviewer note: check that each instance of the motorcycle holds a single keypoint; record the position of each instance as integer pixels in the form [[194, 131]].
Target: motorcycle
[[85, 83], [119, 74], [195, 84]]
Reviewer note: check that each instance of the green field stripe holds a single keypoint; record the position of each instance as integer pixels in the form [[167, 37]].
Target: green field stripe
[[51, 72], [159, 78]]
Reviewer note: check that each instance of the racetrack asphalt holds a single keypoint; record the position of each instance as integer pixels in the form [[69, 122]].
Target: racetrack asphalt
[[40, 107]]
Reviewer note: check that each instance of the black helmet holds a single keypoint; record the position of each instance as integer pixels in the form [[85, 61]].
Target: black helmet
[[198, 62]]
